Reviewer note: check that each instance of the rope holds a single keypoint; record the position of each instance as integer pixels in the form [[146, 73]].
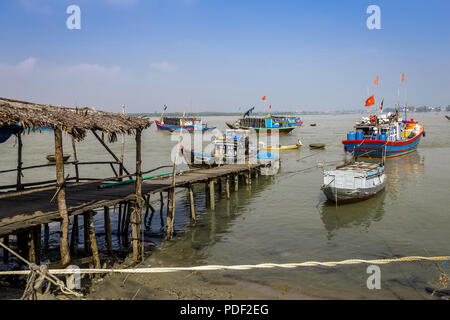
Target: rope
[[34, 282], [236, 267]]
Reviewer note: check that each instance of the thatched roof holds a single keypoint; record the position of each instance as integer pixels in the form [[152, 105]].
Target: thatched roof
[[75, 121]]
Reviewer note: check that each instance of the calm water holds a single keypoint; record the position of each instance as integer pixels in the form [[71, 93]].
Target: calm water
[[287, 219]]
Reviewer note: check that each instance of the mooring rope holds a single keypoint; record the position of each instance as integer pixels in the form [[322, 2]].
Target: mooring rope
[[236, 267]]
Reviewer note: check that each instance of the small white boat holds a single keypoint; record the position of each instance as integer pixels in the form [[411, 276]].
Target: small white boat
[[355, 181]]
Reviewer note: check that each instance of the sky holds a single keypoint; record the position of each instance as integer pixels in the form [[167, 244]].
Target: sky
[[224, 55]]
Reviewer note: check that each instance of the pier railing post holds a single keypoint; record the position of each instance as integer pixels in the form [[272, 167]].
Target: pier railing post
[[62, 207]]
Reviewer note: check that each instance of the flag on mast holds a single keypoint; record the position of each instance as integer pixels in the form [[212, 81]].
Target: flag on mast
[[376, 81], [370, 101], [382, 103], [403, 77], [264, 98]]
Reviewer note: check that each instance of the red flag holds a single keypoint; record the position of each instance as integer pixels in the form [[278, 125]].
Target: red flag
[[376, 81], [403, 77], [270, 107], [264, 98], [370, 101]]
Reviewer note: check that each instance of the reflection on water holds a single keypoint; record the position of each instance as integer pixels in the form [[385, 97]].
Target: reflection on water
[[354, 215], [403, 172]]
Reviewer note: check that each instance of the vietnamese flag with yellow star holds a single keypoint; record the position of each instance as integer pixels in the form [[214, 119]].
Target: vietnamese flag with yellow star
[[370, 101]]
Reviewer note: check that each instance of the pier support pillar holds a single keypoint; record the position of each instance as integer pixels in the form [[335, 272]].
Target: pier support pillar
[[227, 187], [170, 213], [6, 252], [93, 240], [161, 197], [108, 235], [74, 235], [211, 194], [192, 204], [87, 247], [46, 236], [236, 182]]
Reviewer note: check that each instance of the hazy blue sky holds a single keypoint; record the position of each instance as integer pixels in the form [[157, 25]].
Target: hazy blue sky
[[221, 55]]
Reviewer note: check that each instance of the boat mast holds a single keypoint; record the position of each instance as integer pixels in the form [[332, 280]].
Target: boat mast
[[162, 114]]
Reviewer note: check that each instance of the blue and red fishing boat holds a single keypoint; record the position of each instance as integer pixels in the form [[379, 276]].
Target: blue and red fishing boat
[[398, 136], [189, 124]]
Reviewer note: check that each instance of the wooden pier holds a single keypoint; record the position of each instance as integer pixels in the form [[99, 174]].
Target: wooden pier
[[26, 211]]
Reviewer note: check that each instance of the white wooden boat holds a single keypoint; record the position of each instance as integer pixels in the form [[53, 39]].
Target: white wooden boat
[[355, 181]]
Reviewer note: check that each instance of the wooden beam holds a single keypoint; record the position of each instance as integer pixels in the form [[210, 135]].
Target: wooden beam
[[62, 207], [37, 243], [170, 213], [74, 235], [109, 150], [236, 182], [87, 247]]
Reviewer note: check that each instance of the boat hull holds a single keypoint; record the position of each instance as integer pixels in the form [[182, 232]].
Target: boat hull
[[264, 131], [393, 148], [168, 127], [343, 195]]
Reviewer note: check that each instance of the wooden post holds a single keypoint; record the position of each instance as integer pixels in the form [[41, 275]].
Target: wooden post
[[6, 252], [136, 226], [87, 247], [19, 161], [74, 235], [37, 243], [62, 207], [93, 240], [119, 221], [211, 194], [236, 182], [170, 213], [31, 245], [192, 204], [249, 176], [46, 236], [227, 187], [108, 234], [75, 160], [161, 196], [122, 151]]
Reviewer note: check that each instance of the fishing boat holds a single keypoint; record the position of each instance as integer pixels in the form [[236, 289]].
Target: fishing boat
[[448, 118], [52, 157], [190, 124], [355, 181], [233, 147], [400, 136], [280, 147], [270, 124], [312, 124]]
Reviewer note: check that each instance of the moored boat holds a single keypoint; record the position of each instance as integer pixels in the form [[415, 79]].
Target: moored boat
[[355, 181], [234, 147], [190, 124], [448, 118], [268, 125], [398, 136]]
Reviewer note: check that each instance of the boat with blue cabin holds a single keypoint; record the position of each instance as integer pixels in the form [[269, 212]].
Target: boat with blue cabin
[[271, 124], [190, 124], [399, 136]]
